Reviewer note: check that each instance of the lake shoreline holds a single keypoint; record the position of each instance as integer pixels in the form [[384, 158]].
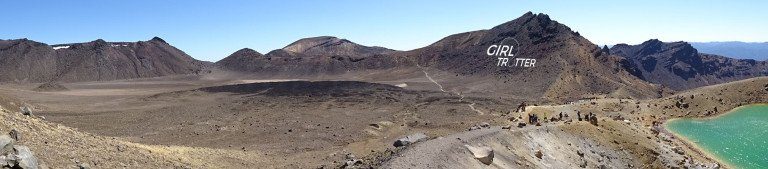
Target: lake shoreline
[[697, 148]]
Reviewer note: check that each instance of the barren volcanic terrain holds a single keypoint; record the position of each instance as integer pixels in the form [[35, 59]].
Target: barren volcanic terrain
[[327, 102]]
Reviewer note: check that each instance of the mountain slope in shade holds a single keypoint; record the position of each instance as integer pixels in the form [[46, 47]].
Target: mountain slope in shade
[[734, 49], [323, 55], [680, 66], [30, 61], [567, 66], [244, 60]]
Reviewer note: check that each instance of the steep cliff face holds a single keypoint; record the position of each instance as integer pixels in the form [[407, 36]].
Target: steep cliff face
[[29, 61], [679, 66]]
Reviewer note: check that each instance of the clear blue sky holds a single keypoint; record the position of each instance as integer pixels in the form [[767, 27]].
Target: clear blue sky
[[211, 30]]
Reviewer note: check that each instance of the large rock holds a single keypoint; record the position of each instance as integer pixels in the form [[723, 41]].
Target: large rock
[[6, 144], [15, 135], [26, 111], [15, 156], [407, 140], [24, 157], [480, 126], [483, 154]]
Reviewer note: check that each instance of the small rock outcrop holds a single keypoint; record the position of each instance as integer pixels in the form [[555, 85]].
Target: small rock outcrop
[[26, 111], [539, 154], [480, 126], [15, 156], [484, 154], [50, 87], [407, 140], [352, 161]]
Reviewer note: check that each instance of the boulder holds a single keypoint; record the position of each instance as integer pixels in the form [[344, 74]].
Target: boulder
[[83, 166], [539, 154], [520, 125], [25, 158], [678, 150], [26, 111], [6, 144], [7, 162], [15, 135], [484, 125], [480, 126], [15, 156], [407, 140], [484, 154]]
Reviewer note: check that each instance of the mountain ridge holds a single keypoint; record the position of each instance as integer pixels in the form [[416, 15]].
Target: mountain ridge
[[680, 66], [26, 60], [735, 49]]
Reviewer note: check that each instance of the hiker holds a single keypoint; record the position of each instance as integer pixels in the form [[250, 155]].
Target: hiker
[[561, 116], [578, 114], [530, 118]]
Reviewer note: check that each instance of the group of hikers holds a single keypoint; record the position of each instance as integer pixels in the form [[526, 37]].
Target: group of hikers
[[591, 117], [534, 118]]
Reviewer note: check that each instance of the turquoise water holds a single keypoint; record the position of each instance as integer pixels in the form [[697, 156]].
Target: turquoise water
[[739, 138]]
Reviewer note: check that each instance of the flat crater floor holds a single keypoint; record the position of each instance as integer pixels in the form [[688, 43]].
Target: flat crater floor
[[315, 121]]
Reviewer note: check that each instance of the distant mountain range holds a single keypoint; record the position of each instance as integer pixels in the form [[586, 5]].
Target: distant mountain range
[[567, 67], [680, 66], [734, 49], [323, 55]]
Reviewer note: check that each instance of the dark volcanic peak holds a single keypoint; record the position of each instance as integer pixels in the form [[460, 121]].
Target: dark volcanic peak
[[245, 59], [567, 65], [97, 60], [5, 44], [310, 57], [330, 46], [247, 52], [679, 66], [158, 39]]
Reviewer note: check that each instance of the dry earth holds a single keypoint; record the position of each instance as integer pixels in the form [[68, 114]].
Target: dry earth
[[285, 122]]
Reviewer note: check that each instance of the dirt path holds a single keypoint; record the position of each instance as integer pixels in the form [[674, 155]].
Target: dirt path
[[471, 105]]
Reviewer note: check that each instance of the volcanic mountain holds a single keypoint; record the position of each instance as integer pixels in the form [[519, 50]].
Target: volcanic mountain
[[29, 61], [567, 65], [311, 56], [679, 66], [333, 46]]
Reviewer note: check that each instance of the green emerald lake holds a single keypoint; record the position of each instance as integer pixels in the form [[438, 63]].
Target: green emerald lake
[[740, 137]]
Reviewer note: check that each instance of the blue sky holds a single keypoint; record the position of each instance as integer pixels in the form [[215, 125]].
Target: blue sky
[[211, 30]]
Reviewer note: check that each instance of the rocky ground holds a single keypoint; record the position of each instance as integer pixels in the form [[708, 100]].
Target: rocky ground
[[218, 122], [627, 134], [58, 146]]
